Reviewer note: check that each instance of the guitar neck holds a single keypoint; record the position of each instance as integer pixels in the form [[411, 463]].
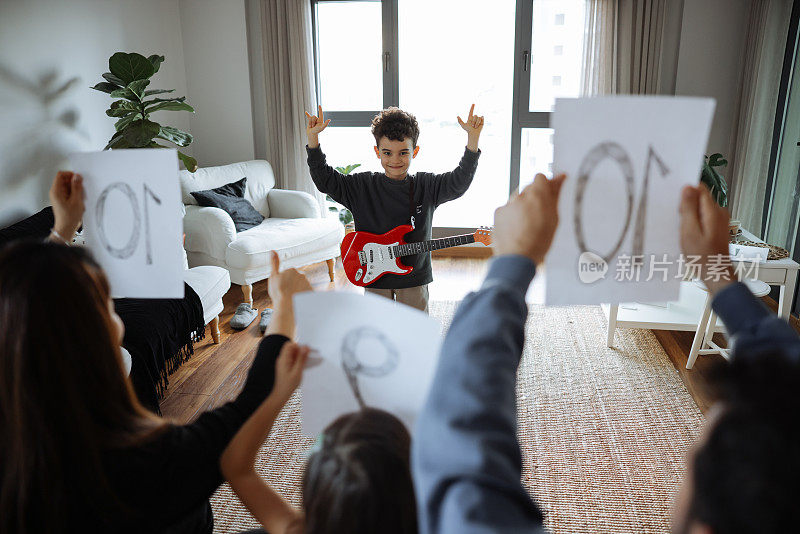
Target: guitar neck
[[432, 244]]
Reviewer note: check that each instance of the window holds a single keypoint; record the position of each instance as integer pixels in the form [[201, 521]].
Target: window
[[512, 58], [348, 52]]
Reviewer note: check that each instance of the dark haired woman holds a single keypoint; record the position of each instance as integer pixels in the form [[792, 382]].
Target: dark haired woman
[[78, 450], [357, 478]]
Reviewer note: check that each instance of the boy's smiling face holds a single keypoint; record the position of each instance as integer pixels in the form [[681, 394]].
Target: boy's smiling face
[[396, 156]]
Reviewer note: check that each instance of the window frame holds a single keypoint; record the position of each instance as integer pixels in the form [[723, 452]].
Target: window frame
[[521, 116], [389, 53]]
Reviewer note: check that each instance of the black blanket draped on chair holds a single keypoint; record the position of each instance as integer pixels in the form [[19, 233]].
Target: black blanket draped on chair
[[159, 333]]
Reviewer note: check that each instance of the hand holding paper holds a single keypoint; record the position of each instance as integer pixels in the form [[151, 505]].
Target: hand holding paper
[[526, 224], [66, 197], [704, 233]]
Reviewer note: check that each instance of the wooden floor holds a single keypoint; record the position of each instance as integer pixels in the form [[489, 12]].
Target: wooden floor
[[216, 373]]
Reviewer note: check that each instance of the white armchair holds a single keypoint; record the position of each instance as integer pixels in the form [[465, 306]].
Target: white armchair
[[292, 226]]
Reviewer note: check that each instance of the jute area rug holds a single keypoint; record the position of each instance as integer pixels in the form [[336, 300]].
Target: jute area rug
[[604, 432]]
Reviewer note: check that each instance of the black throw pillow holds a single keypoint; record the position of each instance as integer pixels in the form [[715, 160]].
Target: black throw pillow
[[230, 197]]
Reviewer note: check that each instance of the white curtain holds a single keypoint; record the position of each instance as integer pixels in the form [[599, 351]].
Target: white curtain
[[767, 29], [623, 47], [281, 53]]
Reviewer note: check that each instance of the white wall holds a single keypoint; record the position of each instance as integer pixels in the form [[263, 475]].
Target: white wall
[[218, 78], [44, 44], [710, 61]]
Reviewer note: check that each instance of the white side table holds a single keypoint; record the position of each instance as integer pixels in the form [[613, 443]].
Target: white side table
[[685, 313], [703, 338]]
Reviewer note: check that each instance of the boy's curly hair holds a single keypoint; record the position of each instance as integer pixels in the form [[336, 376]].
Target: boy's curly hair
[[395, 124]]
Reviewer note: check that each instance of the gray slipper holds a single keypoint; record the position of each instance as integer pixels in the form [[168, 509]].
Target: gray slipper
[[266, 317], [245, 314]]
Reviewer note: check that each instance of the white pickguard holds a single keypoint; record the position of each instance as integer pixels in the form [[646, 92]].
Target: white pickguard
[[379, 261]]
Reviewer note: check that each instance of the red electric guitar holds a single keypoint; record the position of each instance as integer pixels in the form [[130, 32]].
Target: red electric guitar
[[366, 257]]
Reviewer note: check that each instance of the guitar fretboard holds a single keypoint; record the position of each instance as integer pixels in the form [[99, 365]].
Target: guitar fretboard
[[433, 244]]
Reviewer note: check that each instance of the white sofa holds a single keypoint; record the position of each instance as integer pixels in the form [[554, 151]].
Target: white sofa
[[292, 226]]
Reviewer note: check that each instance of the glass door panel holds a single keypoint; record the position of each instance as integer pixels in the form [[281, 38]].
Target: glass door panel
[[557, 29], [449, 58], [349, 53]]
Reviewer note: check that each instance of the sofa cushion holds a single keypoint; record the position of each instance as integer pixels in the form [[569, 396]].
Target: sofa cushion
[[209, 282], [289, 237], [230, 198]]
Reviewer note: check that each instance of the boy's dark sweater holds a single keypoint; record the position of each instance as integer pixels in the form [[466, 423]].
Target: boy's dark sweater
[[380, 204]]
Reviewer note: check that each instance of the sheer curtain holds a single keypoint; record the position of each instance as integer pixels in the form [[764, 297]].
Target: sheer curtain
[[767, 29], [281, 49], [623, 47]]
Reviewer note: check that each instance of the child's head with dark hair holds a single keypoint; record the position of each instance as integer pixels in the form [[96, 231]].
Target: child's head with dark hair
[[358, 480], [396, 133], [745, 473], [396, 125]]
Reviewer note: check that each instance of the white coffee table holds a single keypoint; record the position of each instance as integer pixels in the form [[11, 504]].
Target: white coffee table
[[685, 313]]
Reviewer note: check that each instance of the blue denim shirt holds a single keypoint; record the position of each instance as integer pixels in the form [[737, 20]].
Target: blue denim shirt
[[466, 459]]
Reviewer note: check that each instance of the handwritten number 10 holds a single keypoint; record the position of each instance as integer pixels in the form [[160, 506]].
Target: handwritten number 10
[[129, 248], [614, 151]]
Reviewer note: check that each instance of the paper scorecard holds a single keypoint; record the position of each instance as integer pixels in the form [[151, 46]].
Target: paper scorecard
[[626, 159], [133, 223], [371, 351]]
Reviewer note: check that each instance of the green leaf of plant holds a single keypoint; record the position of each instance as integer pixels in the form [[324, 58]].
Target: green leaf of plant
[[715, 183], [130, 67], [121, 108], [716, 160], [156, 61], [188, 161], [113, 79], [119, 112], [138, 86], [117, 136], [140, 133], [125, 93], [125, 121], [105, 87], [175, 135], [158, 91], [171, 106], [157, 100], [117, 141]]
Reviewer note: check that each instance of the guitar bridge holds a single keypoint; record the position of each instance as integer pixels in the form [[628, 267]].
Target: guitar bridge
[[362, 258]]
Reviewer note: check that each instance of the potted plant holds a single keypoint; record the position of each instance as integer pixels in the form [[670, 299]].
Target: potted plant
[[345, 216], [713, 180], [127, 81]]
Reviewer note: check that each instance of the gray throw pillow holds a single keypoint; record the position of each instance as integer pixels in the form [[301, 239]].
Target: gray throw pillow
[[230, 197]]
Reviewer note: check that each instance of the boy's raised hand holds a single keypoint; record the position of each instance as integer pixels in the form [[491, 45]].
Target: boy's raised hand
[[473, 126], [316, 123]]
